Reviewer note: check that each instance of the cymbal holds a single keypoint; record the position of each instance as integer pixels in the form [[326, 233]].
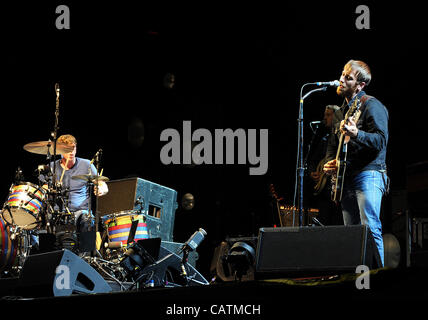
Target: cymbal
[[42, 147], [90, 177]]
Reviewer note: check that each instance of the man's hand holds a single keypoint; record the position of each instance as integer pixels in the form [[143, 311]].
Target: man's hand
[[349, 129], [101, 189], [330, 167]]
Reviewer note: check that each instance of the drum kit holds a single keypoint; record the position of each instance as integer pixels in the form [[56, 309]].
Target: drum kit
[[35, 209]]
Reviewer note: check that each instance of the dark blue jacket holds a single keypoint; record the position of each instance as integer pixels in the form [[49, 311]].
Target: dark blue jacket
[[367, 151]]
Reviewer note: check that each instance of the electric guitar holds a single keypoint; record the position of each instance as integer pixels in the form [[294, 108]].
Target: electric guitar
[[323, 177], [338, 178]]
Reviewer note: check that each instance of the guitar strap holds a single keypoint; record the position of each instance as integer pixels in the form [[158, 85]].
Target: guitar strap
[[364, 100]]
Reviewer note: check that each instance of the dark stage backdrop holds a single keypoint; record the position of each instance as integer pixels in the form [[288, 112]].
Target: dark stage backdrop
[[235, 67]]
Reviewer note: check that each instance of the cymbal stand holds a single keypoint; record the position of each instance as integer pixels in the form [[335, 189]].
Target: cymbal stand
[[55, 132], [52, 185]]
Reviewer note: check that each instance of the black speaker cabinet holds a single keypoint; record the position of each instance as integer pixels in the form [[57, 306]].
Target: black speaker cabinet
[[314, 250], [157, 203], [59, 273]]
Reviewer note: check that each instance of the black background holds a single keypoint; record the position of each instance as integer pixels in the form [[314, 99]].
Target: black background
[[237, 66]]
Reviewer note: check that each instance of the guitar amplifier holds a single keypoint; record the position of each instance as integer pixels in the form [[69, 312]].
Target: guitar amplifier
[[290, 216], [135, 195]]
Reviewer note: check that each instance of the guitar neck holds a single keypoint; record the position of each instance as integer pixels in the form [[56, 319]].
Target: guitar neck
[[340, 146]]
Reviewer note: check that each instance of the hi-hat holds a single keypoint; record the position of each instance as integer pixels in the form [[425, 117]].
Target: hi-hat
[[42, 147], [90, 177]]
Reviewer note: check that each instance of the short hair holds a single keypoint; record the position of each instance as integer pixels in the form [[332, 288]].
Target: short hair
[[67, 139], [363, 71], [332, 107]]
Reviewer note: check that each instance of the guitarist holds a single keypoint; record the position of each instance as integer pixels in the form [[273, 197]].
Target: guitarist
[[320, 182], [365, 179]]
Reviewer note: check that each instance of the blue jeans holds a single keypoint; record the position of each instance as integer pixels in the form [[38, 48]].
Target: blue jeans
[[361, 203]]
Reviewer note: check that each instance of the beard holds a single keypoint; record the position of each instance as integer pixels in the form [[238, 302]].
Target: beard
[[340, 92], [346, 92]]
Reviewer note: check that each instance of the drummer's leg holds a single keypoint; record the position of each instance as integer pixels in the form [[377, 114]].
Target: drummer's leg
[[84, 223], [34, 241]]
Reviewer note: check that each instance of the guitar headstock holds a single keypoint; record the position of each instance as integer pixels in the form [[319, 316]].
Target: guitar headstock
[[354, 109], [273, 193]]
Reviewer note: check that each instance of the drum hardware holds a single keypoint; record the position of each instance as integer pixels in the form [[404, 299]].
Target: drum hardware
[[19, 176], [15, 246], [110, 269]]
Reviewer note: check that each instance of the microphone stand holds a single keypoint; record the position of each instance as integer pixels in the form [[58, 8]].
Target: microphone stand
[[310, 146], [300, 163]]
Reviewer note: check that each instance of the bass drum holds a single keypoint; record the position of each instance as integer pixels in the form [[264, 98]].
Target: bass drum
[[13, 252]]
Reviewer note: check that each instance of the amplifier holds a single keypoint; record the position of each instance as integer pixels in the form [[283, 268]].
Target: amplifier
[[157, 203]]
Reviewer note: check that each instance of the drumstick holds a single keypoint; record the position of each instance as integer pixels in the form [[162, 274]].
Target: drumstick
[[63, 171]]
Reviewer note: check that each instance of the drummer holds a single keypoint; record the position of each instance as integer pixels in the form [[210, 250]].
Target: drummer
[[78, 201]]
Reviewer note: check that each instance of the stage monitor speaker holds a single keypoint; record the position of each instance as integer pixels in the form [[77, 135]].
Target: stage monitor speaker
[[59, 273], [314, 250]]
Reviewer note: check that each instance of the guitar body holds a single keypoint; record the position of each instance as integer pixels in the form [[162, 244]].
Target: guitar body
[[319, 187], [339, 178]]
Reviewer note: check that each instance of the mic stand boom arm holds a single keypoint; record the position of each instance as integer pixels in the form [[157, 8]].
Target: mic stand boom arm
[[300, 162]]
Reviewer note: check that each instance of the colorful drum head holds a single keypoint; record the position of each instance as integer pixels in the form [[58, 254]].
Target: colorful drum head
[[118, 226], [24, 204]]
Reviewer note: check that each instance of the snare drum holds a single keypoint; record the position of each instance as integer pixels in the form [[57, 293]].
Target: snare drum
[[24, 205], [118, 226], [8, 247]]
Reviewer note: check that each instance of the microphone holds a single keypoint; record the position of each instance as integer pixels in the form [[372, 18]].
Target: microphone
[[315, 123], [195, 240], [19, 176], [43, 169], [99, 152], [334, 83]]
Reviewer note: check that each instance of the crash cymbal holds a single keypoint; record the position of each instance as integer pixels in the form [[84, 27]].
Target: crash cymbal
[[90, 177], [42, 147]]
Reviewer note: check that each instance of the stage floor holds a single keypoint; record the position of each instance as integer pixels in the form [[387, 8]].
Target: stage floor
[[393, 289]]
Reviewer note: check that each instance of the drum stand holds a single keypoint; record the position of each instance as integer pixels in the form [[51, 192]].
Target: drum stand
[[21, 238]]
